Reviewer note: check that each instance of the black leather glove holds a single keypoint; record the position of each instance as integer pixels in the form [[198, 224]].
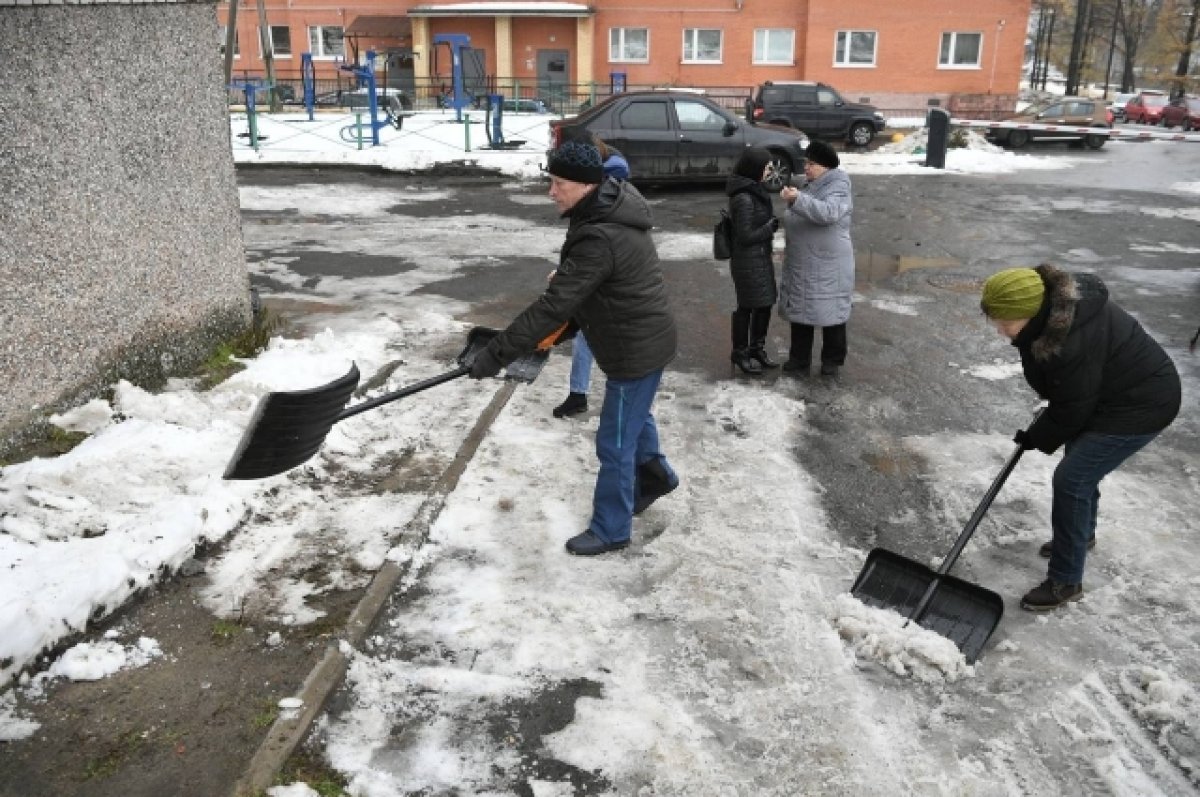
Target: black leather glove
[[485, 365], [774, 223], [1021, 438]]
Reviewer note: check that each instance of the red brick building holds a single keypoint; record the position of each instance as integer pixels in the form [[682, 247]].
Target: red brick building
[[895, 55]]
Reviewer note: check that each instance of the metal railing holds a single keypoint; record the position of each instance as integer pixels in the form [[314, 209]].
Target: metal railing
[[523, 95]]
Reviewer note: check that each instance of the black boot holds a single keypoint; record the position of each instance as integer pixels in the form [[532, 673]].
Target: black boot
[[575, 404], [739, 333], [741, 358], [653, 483], [758, 337]]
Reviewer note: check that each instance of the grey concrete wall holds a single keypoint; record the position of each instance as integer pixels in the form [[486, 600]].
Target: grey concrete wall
[[120, 246]]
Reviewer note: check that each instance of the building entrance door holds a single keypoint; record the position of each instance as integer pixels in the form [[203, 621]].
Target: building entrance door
[[553, 76]]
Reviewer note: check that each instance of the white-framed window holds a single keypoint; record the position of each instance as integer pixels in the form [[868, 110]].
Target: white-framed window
[[280, 41], [854, 48], [701, 45], [221, 42], [774, 46], [326, 41], [960, 50], [629, 44]]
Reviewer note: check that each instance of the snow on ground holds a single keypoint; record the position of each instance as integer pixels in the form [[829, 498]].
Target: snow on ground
[[713, 656]]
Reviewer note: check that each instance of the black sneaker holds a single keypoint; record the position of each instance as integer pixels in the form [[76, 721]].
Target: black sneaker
[[588, 544], [575, 404], [1044, 551], [829, 369], [1050, 595]]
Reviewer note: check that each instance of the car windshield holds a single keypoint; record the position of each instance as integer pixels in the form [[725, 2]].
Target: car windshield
[[1154, 100]]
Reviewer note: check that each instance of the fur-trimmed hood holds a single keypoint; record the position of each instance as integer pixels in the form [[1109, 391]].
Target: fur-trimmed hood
[[1070, 299]]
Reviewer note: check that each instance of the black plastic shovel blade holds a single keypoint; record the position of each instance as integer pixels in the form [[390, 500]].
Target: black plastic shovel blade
[[288, 427], [963, 612]]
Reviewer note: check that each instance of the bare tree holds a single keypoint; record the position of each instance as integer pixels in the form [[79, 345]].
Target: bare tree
[[1136, 25]]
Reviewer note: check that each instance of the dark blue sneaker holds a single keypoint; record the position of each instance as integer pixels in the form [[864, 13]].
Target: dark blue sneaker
[[588, 544]]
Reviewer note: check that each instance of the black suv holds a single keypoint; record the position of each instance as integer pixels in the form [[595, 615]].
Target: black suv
[[817, 109]]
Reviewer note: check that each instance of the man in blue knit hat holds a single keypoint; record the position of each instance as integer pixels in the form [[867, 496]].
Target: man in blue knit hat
[[609, 286]]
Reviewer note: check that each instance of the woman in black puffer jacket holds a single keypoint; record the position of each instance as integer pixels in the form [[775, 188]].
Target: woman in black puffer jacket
[[754, 224]]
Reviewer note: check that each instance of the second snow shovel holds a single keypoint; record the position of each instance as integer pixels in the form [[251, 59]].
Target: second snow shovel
[[965, 613], [288, 427]]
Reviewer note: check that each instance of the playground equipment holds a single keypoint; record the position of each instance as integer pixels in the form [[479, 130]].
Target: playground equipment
[[251, 87], [459, 97], [394, 114], [492, 125], [308, 73]]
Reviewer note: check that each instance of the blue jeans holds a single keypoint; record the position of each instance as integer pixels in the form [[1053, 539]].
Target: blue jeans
[[581, 364], [1086, 461], [627, 437]]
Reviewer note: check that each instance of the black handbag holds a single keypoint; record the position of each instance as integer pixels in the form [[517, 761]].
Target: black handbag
[[723, 237]]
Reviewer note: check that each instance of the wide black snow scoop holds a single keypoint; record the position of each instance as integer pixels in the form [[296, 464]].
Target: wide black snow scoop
[[288, 427], [954, 608]]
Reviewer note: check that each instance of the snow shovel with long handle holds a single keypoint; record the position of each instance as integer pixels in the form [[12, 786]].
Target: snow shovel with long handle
[[288, 427], [954, 608]]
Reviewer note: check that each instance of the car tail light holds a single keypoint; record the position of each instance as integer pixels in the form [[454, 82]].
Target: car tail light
[[758, 113], [1108, 117]]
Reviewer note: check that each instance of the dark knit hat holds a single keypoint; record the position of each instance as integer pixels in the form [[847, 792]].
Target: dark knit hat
[[752, 163], [1013, 293], [822, 154], [577, 161]]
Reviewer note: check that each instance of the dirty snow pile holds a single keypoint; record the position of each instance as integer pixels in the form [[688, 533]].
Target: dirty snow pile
[[881, 635], [915, 143]]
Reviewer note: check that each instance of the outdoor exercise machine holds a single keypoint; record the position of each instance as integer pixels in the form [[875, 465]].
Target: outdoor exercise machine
[[492, 125], [308, 74], [251, 86], [394, 114], [459, 97]]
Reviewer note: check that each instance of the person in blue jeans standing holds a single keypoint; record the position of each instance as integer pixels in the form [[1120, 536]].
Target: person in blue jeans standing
[[1109, 387], [609, 285], [617, 167]]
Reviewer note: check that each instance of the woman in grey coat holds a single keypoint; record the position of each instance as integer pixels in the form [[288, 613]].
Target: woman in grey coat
[[818, 265]]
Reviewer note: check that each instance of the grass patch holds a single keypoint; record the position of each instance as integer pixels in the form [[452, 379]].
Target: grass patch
[[302, 766], [225, 631], [223, 363], [266, 716], [53, 443], [106, 765]]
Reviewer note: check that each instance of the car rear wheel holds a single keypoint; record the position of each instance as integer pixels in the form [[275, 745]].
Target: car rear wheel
[[1095, 141], [861, 134], [779, 171], [1017, 138]]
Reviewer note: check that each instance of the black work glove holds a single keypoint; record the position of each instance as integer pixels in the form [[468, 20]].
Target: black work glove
[[774, 223], [485, 365], [1021, 438]]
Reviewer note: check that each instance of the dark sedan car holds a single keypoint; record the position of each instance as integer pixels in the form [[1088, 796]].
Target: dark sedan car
[[684, 136]]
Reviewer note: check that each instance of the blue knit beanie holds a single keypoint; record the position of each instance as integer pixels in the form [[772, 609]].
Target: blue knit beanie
[[578, 161]]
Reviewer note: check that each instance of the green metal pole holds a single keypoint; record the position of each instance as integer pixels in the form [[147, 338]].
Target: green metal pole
[[358, 125], [467, 130], [251, 118]]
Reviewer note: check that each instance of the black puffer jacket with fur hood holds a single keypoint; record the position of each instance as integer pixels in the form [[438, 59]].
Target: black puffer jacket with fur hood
[[1094, 364]]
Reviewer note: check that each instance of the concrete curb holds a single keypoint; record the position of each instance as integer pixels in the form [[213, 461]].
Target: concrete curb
[[286, 733]]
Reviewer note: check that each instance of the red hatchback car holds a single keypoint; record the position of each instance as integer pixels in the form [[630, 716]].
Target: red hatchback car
[[1146, 108], [1182, 111]]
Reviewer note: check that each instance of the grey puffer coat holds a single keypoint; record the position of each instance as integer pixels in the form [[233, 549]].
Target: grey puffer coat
[[818, 267], [609, 283], [753, 221]]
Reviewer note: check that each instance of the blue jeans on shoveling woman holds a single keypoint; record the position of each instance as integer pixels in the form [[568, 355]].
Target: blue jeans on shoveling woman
[[633, 470]]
